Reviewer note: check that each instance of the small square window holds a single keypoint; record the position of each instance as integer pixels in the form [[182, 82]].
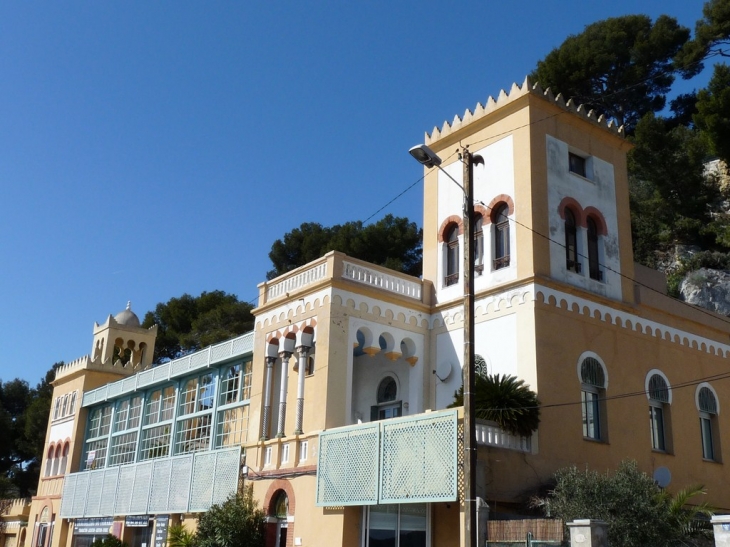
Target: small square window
[[267, 456], [577, 164], [285, 453], [303, 449]]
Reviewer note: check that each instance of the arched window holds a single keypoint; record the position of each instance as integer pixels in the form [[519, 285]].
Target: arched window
[[593, 389], [571, 242], [64, 408], [594, 270], [500, 221], [452, 255], [72, 406], [707, 405], [478, 244], [57, 408], [387, 406], [64, 460], [281, 506], [658, 391], [49, 461]]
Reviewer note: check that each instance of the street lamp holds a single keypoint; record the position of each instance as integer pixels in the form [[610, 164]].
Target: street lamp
[[427, 157]]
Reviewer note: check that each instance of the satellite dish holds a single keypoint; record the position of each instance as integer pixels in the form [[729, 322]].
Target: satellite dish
[[443, 370], [662, 476]]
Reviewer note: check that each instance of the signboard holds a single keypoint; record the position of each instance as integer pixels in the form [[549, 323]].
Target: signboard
[[90, 457], [137, 521], [161, 523], [93, 526]]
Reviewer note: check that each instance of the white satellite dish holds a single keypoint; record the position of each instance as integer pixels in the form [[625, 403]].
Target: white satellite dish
[[662, 476], [443, 370]]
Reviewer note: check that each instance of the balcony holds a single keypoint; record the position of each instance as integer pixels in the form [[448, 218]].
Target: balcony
[[489, 434], [181, 484]]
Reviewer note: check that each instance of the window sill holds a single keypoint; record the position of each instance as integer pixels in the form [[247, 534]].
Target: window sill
[[592, 440], [581, 177], [712, 461], [659, 451]]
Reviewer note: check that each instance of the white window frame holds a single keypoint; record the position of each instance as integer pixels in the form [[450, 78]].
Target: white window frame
[[364, 538], [303, 450]]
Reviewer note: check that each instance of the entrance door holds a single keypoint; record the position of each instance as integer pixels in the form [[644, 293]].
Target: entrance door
[[283, 528]]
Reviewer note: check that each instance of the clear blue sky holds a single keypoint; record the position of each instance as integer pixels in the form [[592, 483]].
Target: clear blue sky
[[148, 149]]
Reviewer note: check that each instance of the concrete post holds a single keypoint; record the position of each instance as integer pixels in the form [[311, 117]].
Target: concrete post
[[588, 533], [721, 529]]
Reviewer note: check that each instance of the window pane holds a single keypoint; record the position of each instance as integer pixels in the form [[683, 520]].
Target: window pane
[[232, 427], [193, 435], [123, 449], [591, 428], [187, 396], [155, 442], [168, 403], [382, 526], [205, 394], [656, 420], [708, 451], [152, 412], [230, 379], [120, 421], [247, 371], [135, 412]]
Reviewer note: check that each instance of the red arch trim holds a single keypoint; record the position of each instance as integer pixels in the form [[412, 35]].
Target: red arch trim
[[453, 219], [501, 198], [597, 217]]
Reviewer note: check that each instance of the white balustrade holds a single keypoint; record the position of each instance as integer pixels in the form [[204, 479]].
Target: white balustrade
[[491, 435], [381, 280], [297, 281]]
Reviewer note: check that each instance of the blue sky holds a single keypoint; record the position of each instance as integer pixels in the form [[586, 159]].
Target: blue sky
[[149, 149]]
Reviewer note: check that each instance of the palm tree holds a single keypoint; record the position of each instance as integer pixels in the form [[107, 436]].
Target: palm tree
[[688, 521], [505, 400]]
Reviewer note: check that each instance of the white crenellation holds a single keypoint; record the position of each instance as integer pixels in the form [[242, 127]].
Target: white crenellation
[[504, 99]]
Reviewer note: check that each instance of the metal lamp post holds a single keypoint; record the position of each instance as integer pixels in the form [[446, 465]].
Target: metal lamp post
[[427, 157]]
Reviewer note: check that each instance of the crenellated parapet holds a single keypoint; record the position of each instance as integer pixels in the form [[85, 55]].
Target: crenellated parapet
[[87, 363], [516, 92]]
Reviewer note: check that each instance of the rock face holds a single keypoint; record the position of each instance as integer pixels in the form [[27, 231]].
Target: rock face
[[707, 288]]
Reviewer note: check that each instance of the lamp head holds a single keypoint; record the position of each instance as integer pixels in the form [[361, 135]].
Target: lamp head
[[425, 156]]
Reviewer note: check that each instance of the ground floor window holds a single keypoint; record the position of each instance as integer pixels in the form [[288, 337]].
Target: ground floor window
[[403, 525]]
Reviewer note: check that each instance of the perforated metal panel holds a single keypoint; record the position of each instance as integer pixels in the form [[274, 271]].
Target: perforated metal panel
[[161, 372], [180, 366], [94, 493], [226, 475], [180, 479], [145, 378], [67, 499], [200, 359], [109, 491], [347, 472], [141, 490], [160, 486], [406, 460], [124, 490], [242, 344], [201, 492], [221, 351], [79, 497], [129, 384], [418, 459], [114, 389]]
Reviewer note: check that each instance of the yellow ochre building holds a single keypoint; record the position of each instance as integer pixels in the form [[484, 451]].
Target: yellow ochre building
[[335, 407]]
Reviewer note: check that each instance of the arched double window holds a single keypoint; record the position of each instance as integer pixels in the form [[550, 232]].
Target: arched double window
[[451, 240], [500, 221]]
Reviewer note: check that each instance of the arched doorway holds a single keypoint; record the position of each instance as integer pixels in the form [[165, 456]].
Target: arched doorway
[[281, 512]]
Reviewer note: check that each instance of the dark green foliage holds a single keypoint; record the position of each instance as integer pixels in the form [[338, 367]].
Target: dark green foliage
[[713, 112], [393, 242], [189, 323], [621, 66], [712, 37], [505, 400], [638, 512], [109, 541], [23, 423], [671, 196], [238, 522]]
